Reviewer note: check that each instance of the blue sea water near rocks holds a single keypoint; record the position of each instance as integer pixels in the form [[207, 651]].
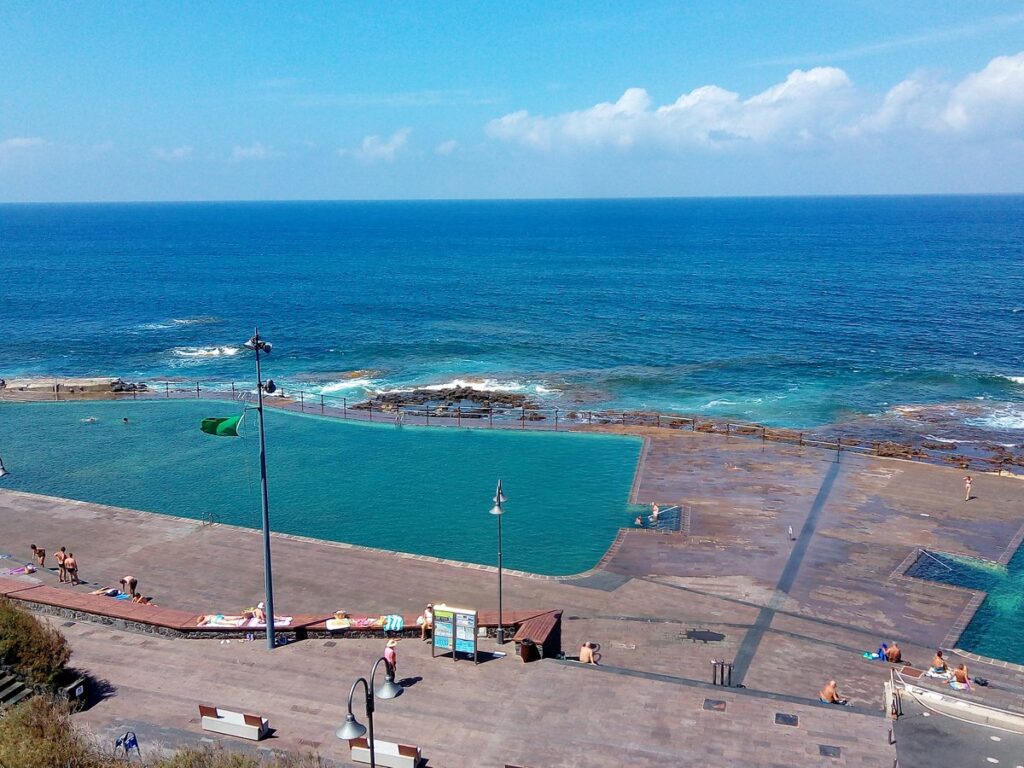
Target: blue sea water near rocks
[[878, 315]]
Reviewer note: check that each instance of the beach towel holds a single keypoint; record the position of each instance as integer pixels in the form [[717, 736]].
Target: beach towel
[[22, 571], [393, 623], [959, 686], [365, 622], [333, 624], [936, 673], [279, 621]]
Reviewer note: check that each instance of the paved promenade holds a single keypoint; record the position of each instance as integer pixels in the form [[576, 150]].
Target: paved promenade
[[793, 613]]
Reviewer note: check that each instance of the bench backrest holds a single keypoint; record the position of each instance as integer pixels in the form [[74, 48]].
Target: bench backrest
[[205, 711], [385, 747]]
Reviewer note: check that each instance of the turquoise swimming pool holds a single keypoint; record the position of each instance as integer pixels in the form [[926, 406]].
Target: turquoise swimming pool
[[997, 629], [425, 490]]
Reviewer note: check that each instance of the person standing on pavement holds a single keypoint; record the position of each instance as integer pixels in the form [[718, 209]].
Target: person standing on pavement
[[71, 566], [39, 554], [60, 556], [967, 488], [391, 657]]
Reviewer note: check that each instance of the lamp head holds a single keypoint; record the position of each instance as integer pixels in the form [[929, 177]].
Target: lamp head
[[389, 689], [499, 497], [350, 729], [3, 469]]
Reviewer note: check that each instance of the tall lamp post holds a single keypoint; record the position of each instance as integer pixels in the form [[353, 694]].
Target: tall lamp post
[[498, 511], [259, 345], [389, 689]]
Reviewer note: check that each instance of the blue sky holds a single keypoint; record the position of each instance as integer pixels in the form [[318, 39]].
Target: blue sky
[[213, 101]]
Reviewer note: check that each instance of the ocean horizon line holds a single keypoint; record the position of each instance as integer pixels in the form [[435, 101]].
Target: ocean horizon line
[[635, 198]]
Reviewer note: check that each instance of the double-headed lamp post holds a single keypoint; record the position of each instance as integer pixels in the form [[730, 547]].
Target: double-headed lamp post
[[498, 511], [257, 345], [389, 689]]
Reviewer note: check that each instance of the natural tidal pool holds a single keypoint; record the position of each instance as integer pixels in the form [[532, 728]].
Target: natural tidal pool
[[424, 490], [997, 629]]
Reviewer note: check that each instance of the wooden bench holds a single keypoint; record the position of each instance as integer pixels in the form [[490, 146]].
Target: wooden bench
[[240, 724], [545, 630], [385, 753]]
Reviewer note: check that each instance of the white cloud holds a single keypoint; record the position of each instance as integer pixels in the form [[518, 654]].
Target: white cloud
[[990, 101], [375, 149], [255, 151], [174, 154], [809, 108], [806, 105], [19, 143], [447, 147]]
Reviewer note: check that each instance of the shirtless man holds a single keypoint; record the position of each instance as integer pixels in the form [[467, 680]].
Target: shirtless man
[[830, 694], [71, 566], [960, 675], [129, 585], [62, 572], [893, 653], [939, 663], [587, 654], [40, 555]]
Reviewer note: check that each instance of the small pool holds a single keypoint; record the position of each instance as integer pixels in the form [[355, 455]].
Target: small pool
[[997, 629], [425, 490]]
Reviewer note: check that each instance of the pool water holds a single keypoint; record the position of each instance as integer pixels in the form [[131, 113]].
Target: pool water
[[997, 629], [424, 490]]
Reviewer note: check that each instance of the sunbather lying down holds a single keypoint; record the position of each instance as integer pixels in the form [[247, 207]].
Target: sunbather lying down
[[118, 594], [220, 620]]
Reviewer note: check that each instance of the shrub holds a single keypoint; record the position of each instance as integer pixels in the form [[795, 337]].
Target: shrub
[[39, 733], [31, 648]]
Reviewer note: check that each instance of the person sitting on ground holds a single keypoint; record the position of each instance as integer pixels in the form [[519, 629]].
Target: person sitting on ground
[[639, 521], [939, 667], [426, 621], [960, 676], [589, 654], [260, 613], [830, 694], [893, 653]]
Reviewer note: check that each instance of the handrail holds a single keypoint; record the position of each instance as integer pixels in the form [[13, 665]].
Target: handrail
[[536, 417]]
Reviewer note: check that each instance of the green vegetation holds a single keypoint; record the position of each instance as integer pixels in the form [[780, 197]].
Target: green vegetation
[[40, 733], [34, 650]]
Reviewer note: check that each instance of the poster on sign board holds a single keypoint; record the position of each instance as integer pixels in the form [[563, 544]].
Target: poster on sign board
[[455, 632]]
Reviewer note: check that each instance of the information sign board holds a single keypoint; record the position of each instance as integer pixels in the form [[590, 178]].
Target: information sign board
[[455, 631]]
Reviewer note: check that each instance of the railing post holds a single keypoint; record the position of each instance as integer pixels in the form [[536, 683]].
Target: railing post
[[371, 410], [658, 417], [727, 425], [800, 439], [693, 425], [523, 426], [590, 415], [167, 389], [135, 395], [764, 434], [490, 416], [302, 402], [556, 419], [321, 402], [232, 390], [197, 390], [344, 407], [458, 416], [426, 410]]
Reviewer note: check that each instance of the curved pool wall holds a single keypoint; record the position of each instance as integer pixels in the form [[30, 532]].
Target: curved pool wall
[[997, 628], [411, 489]]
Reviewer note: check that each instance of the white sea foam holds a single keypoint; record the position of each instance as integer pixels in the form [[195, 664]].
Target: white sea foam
[[1016, 379], [205, 351], [178, 322], [344, 385], [540, 389], [1008, 418]]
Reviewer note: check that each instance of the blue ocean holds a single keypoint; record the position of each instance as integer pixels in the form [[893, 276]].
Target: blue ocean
[[880, 314]]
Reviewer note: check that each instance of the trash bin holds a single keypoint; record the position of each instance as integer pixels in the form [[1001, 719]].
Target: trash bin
[[528, 650]]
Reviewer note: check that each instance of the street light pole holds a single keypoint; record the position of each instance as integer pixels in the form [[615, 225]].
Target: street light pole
[[257, 345], [352, 728], [498, 511]]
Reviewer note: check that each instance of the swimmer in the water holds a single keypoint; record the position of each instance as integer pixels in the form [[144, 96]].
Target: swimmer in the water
[[124, 420], [89, 420]]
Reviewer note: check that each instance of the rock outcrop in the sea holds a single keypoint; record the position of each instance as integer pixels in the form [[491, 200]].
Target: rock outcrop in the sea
[[446, 399]]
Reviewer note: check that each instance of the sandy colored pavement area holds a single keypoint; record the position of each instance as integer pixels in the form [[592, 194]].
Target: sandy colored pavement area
[[793, 613]]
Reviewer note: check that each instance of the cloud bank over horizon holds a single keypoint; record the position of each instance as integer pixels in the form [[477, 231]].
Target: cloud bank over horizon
[[816, 106]]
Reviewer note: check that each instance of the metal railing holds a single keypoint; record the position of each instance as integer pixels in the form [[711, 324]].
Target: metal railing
[[534, 417]]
